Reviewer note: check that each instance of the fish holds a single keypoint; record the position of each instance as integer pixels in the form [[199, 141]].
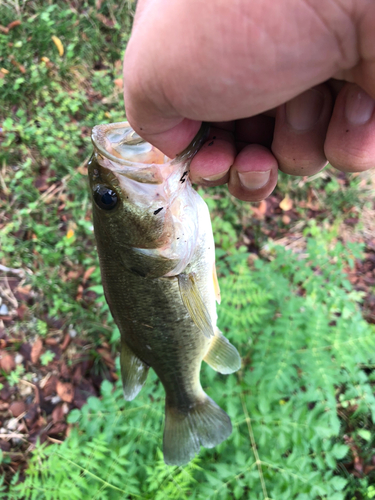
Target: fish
[[157, 259]]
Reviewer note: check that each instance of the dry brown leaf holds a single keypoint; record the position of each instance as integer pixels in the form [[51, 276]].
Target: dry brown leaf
[[13, 24], [262, 209], [4, 30], [6, 362], [36, 350], [286, 204], [88, 273], [65, 390], [66, 342], [106, 356], [17, 408], [119, 83], [105, 20], [58, 413]]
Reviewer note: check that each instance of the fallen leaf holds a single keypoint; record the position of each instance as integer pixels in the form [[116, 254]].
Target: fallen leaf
[[13, 24], [58, 413], [4, 71], [58, 428], [3, 29], [105, 20], [73, 275], [17, 64], [7, 362], [32, 414], [64, 371], [58, 44], [119, 83], [66, 342], [4, 445], [49, 385], [21, 311], [106, 356], [17, 408], [88, 273], [286, 204], [36, 350], [51, 341], [286, 219], [65, 391], [262, 207], [79, 292]]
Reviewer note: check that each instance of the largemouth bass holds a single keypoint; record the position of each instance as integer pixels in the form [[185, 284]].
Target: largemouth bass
[[157, 259]]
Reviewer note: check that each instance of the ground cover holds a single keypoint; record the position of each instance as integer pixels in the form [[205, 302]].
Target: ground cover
[[301, 315]]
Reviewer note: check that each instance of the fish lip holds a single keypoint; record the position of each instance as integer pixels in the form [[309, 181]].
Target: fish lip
[[98, 137], [192, 149], [131, 138]]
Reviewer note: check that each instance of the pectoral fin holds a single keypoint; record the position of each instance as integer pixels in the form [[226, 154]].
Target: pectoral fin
[[133, 371], [193, 301], [216, 285], [223, 356]]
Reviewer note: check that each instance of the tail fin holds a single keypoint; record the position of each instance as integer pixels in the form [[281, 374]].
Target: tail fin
[[204, 424]]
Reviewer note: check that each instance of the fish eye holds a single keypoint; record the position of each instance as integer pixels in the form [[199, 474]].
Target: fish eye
[[105, 198]]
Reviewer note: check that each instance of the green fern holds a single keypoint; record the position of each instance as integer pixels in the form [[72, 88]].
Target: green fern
[[304, 343]]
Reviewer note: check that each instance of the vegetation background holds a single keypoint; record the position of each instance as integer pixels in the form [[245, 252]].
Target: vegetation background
[[297, 273]]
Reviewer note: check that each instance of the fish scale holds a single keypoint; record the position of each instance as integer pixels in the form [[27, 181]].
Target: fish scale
[[159, 279]]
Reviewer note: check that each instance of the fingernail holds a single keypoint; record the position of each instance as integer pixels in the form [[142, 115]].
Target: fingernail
[[215, 177], [304, 111], [359, 106], [254, 180]]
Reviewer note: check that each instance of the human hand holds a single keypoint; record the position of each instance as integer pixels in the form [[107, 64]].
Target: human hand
[[286, 85]]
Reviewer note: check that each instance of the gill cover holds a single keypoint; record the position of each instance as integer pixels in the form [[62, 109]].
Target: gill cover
[[142, 201]]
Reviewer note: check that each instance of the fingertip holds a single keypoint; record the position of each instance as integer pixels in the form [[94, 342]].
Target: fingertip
[[173, 135], [211, 164], [300, 130], [253, 175], [350, 144]]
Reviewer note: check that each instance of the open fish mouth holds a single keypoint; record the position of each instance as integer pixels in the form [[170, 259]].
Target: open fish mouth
[[120, 143]]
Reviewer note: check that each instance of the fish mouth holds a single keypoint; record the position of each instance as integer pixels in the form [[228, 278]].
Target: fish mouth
[[120, 143]]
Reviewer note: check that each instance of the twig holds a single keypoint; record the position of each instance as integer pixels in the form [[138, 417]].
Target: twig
[[254, 447], [13, 435], [19, 272], [53, 440]]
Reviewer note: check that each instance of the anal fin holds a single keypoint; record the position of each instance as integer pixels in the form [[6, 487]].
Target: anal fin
[[193, 301], [133, 371], [222, 355]]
